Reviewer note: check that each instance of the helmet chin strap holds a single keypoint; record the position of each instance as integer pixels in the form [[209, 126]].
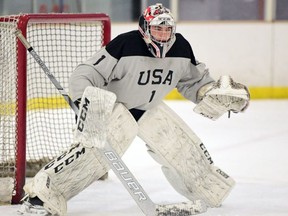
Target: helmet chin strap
[[156, 50]]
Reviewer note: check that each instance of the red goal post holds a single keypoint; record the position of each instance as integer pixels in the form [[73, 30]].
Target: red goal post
[[35, 122]]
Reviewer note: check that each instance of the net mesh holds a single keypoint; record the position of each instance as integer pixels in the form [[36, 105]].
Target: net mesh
[[62, 45], [8, 100]]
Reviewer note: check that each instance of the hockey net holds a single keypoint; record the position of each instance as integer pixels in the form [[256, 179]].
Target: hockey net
[[35, 121]]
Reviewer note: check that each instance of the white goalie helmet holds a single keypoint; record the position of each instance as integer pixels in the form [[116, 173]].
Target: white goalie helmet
[[157, 27]]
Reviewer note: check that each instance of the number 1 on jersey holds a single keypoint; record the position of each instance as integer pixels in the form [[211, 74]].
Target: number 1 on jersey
[[152, 95]]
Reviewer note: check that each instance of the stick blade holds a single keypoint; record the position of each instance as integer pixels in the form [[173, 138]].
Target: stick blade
[[183, 209]]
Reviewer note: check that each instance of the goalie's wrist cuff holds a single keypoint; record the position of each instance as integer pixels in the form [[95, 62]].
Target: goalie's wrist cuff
[[203, 90]]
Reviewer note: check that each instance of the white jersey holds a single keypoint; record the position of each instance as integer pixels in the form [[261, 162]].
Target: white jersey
[[127, 68]]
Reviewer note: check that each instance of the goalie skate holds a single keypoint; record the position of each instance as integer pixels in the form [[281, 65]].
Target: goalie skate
[[183, 209], [28, 209]]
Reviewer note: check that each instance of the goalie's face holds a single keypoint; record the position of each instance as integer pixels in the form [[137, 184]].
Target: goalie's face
[[161, 33]]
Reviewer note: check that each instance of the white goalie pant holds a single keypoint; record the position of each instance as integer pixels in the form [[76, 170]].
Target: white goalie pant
[[185, 161], [82, 164]]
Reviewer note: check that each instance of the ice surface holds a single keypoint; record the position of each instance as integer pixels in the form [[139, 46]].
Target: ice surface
[[251, 147]]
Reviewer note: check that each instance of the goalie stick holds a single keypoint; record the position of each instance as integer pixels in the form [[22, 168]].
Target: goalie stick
[[115, 162]]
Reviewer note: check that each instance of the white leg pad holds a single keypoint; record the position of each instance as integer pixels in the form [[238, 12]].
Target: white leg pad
[[83, 163], [186, 163]]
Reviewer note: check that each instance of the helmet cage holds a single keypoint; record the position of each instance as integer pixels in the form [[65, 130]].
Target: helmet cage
[[164, 22]]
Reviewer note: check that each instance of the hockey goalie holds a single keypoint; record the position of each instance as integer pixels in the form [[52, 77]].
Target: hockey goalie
[[120, 93]]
